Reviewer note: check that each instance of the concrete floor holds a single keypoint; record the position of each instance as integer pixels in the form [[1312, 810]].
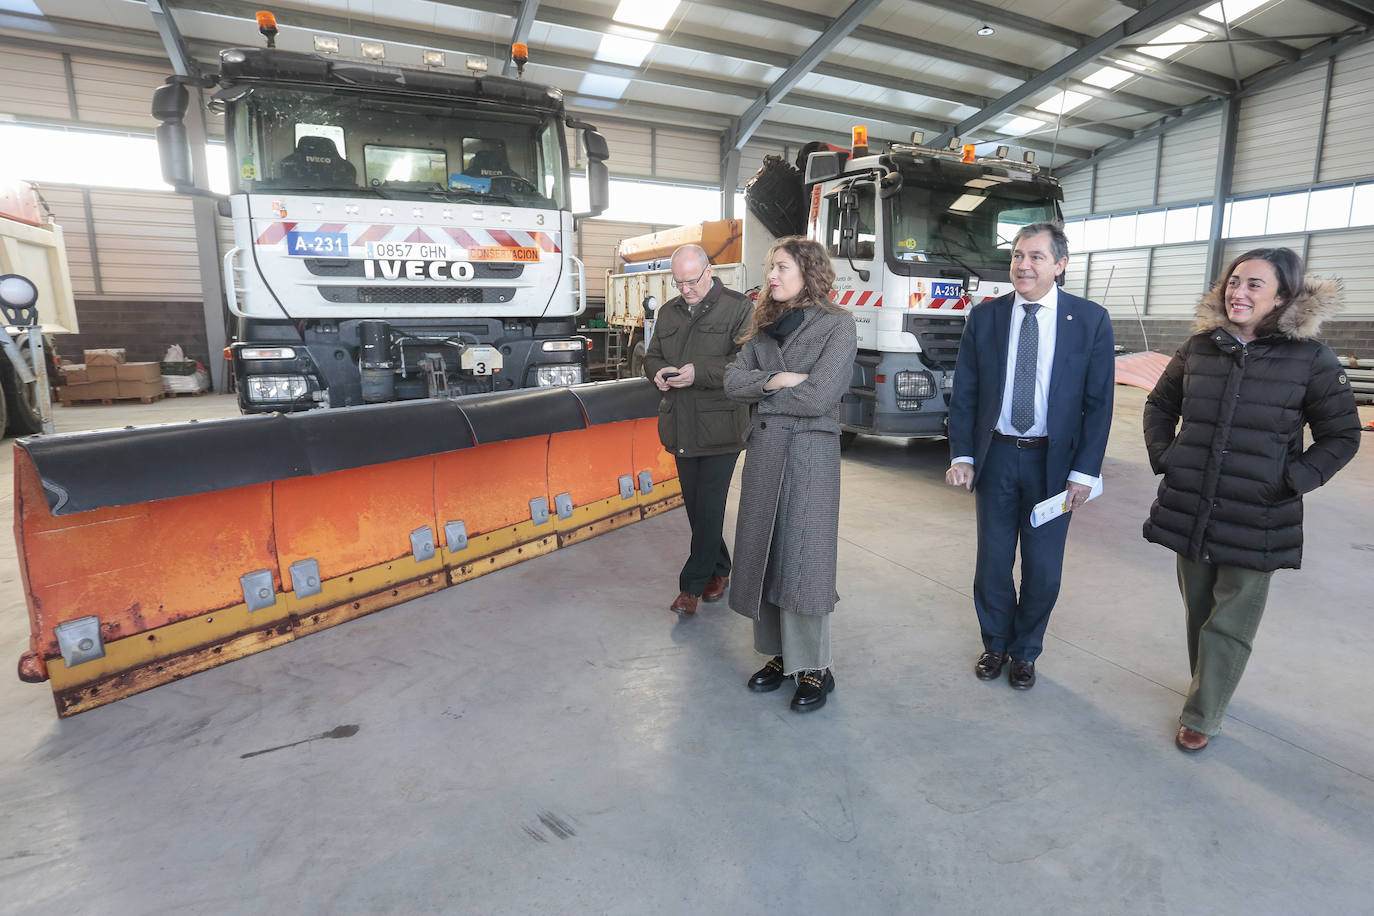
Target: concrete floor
[[550, 739]]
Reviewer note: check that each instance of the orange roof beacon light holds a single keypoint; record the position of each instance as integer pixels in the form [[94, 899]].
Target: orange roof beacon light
[[968, 153], [520, 53], [859, 141], [267, 25]]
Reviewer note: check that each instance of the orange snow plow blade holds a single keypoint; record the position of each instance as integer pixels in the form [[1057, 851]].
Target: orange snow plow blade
[[150, 554]]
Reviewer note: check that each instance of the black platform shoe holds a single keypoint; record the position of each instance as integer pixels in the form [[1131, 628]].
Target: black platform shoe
[[769, 677], [812, 686]]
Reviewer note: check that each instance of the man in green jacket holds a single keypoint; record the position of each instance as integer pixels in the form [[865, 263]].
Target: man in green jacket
[[694, 340]]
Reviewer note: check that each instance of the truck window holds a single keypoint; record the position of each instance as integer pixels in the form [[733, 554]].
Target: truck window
[[401, 165], [933, 221], [292, 138], [867, 238]]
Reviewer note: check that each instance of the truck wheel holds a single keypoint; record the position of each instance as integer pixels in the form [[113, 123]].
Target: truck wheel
[[637, 361], [847, 439], [21, 400], [4, 398]]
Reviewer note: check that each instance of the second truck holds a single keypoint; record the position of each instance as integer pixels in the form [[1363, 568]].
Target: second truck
[[916, 236]]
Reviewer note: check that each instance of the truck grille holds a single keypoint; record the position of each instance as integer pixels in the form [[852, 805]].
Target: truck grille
[[938, 337], [413, 295], [342, 267]]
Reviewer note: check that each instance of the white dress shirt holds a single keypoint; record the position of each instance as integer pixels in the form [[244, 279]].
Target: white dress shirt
[[1046, 319]]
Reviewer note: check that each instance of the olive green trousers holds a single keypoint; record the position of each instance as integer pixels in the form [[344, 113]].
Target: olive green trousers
[[1224, 605]]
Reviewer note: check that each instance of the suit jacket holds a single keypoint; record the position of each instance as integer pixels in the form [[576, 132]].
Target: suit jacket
[[1080, 392]]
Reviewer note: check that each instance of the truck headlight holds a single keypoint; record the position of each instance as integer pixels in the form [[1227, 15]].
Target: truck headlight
[[555, 376], [267, 353], [912, 388], [273, 388]]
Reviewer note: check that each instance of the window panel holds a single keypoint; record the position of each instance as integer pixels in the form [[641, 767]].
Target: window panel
[[1287, 213], [1180, 225], [1149, 228], [1329, 208], [1248, 217]]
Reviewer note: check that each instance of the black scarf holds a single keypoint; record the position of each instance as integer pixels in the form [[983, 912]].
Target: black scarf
[[785, 324]]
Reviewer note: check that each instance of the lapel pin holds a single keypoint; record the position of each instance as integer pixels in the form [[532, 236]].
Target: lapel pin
[[1068, 317]]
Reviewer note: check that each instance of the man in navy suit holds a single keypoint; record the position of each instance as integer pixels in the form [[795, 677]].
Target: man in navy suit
[[1029, 417]]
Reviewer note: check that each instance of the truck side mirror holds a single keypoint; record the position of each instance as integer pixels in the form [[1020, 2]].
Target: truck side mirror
[[173, 148], [598, 176], [848, 200], [823, 166]]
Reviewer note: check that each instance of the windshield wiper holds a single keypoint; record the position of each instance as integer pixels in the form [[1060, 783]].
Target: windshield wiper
[[946, 253]]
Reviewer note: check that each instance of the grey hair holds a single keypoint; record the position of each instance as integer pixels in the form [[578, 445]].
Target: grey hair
[[695, 251], [1059, 242]]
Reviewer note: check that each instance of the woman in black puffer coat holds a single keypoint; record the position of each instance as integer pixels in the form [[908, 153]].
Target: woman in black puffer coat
[[1230, 505]]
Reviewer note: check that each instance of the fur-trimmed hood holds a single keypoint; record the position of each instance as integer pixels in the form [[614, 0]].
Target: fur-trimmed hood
[[1297, 319]]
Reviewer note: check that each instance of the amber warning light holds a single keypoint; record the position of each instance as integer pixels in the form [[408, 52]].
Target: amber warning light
[[267, 25], [520, 53], [859, 135], [968, 153]]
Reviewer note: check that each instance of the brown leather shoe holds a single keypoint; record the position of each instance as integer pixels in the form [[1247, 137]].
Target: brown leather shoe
[[715, 588], [685, 603], [1188, 740]]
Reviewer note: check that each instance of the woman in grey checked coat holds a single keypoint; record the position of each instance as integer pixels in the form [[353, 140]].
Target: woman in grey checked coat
[[794, 368]]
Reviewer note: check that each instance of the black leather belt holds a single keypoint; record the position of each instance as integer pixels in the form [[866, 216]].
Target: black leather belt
[[1022, 441]]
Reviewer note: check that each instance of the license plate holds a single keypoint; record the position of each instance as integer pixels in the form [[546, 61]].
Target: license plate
[[945, 291], [407, 251], [317, 244], [481, 360]]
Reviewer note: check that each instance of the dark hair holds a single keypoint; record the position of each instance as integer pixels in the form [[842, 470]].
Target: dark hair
[[818, 277], [1059, 242], [1287, 268]]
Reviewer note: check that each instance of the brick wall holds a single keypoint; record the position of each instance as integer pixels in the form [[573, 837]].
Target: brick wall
[[143, 329], [1349, 337]]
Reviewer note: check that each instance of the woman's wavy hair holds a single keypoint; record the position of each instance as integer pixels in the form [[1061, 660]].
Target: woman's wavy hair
[[1287, 267], [818, 278]]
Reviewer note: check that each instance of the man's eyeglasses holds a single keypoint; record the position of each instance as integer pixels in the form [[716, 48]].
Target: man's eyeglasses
[[682, 284]]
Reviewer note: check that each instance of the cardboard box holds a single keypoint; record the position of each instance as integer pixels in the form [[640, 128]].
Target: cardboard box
[[139, 372], [109, 357], [74, 374], [90, 391], [102, 373], [140, 389]]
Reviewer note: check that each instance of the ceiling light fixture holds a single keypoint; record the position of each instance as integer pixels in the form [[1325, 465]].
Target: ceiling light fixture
[[987, 30]]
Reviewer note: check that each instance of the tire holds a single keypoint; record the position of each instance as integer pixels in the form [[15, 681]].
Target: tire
[[637, 361], [4, 398], [847, 439], [21, 400]]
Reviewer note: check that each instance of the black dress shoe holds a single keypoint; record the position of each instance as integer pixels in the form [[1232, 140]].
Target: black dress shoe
[[989, 665], [811, 690], [1022, 674], [767, 678]]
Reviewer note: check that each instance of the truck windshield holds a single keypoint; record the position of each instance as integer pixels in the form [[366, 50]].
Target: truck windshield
[[345, 144], [963, 223]]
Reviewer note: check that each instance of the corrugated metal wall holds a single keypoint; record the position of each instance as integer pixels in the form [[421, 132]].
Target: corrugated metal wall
[[1346, 255], [33, 84], [1349, 128], [596, 241], [1276, 144], [1176, 280], [683, 156], [1127, 180], [1188, 165], [1077, 189], [1116, 279], [631, 146]]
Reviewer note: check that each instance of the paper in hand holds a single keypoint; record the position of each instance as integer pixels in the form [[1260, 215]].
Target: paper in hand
[[1058, 504]]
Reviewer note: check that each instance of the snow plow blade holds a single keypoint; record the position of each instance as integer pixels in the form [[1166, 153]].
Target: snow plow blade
[[149, 554]]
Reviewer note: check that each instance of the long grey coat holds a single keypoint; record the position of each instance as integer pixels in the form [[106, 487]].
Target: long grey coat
[[789, 507]]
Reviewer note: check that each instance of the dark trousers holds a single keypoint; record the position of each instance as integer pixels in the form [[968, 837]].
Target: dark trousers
[[705, 484], [1010, 483]]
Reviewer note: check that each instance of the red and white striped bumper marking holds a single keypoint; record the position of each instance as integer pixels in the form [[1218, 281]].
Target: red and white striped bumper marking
[[854, 298], [359, 234]]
